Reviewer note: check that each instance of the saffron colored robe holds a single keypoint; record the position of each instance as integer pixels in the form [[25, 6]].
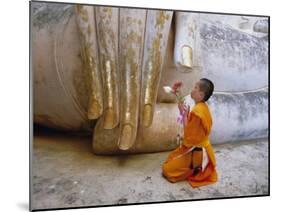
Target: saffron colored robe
[[178, 166]]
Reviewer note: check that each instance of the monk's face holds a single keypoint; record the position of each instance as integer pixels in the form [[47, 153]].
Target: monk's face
[[196, 94]]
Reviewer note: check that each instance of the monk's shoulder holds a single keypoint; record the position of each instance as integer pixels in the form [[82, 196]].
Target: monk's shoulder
[[201, 109]]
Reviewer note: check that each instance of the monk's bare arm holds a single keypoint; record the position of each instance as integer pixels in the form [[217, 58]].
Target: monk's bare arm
[[184, 111]]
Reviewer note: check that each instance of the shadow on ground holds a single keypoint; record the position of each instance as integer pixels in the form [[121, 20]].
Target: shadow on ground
[[67, 174]]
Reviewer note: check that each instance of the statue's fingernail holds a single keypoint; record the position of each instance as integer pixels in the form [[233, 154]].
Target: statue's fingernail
[[126, 141], [187, 56], [147, 115], [94, 110], [109, 119]]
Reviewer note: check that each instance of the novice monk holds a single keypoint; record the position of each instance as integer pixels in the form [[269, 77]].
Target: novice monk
[[194, 161]]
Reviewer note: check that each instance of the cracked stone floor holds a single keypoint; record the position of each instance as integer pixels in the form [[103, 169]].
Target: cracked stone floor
[[66, 173]]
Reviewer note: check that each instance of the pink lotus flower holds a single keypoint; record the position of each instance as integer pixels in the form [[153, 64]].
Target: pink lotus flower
[[176, 87], [176, 90]]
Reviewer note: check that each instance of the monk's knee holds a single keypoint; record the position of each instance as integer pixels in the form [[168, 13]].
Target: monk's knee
[[166, 168], [172, 180], [168, 177], [167, 172]]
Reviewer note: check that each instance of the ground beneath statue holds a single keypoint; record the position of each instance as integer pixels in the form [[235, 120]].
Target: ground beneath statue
[[67, 174]]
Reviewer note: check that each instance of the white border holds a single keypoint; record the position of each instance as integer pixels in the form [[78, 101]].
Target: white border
[[15, 104]]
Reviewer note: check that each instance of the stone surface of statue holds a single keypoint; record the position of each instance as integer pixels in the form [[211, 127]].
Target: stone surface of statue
[[101, 70]]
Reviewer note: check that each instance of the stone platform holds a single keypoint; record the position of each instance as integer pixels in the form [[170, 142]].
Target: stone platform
[[67, 174]]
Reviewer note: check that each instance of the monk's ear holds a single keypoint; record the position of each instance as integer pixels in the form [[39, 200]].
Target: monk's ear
[[202, 95]]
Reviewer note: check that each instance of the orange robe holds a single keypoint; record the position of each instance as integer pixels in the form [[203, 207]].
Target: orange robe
[[178, 166]]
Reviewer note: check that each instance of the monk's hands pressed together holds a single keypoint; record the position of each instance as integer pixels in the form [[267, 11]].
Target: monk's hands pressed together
[[183, 108], [184, 111]]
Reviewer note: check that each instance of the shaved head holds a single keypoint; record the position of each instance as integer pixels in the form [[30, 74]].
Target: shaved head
[[207, 87]]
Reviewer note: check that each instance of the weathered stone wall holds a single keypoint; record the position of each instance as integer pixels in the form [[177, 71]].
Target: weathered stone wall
[[230, 50]]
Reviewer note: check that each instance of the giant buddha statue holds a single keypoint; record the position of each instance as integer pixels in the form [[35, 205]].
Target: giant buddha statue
[[101, 70]]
